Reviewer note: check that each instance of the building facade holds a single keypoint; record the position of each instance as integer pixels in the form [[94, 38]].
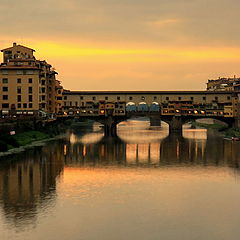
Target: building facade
[[223, 84], [27, 84], [198, 103]]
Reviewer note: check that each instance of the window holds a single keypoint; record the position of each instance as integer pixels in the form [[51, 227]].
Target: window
[[19, 105], [5, 80], [65, 97], [43, 98], [25, 105], [228, 98], [81, 98], [30, 105], [19, 72], [70, 103], [29, 72], [167, 98], [50, 102], [118, 98], [43, 90], [19, 90], [29, 89], [5, 97], [5, 105], [93, 98], [5, 72], [192, 98], [155, 98], [30, 80], [216, 98], [204, 98], [179, 98], [5, 89], [130, 98], [19, 80], [106, 98], [59, 91], [76, 103], [19, 98], [30, 98]]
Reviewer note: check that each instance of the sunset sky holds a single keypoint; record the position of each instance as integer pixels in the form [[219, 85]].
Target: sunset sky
[[128, 44]]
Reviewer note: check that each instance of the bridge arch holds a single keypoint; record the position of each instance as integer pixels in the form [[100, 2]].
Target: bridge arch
[[142, 107], [131, 107], [154, 107]]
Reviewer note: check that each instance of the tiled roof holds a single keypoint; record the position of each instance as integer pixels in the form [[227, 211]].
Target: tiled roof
[[17, 46]]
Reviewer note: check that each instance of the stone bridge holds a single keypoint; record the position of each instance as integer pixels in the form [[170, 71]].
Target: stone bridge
[[173, 107]]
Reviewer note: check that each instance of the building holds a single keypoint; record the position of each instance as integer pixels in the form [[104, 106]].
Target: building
[[27, 84], [223, 84], [197, 103]]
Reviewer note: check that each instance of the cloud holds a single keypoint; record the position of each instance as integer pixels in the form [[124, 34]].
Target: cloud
[[162, 43], [212, 21]]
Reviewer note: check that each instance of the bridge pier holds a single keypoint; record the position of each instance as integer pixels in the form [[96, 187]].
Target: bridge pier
[[175, 124], [110, 127], [155, 121]]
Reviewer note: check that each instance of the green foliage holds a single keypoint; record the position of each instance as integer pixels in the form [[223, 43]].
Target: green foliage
[[216, 126], [22, 139], [229, 132], [233, 132], [30, 136]]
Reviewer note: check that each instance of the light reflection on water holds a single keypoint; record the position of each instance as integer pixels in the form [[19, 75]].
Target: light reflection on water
[[144, 184]]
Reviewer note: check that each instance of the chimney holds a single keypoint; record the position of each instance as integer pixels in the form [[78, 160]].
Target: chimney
[[14, 44]]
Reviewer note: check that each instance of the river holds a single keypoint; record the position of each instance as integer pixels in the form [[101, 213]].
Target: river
[[144, 184]]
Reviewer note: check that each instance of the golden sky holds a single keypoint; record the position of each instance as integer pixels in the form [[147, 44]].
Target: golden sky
[[128, 44]]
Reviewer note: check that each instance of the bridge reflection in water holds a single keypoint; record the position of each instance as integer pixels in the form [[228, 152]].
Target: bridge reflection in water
[[151, 147], [28, 180]]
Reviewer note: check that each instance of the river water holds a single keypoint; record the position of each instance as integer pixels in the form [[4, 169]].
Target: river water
[[144, 184]]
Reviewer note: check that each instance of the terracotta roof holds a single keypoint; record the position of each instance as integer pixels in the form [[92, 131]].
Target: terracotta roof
[[17, 46]]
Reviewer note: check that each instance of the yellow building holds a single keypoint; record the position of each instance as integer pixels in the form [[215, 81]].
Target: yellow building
[[27, 84], [58, 97]]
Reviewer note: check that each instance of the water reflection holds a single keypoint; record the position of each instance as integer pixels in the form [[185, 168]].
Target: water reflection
[[151, 147], [28, 181]]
